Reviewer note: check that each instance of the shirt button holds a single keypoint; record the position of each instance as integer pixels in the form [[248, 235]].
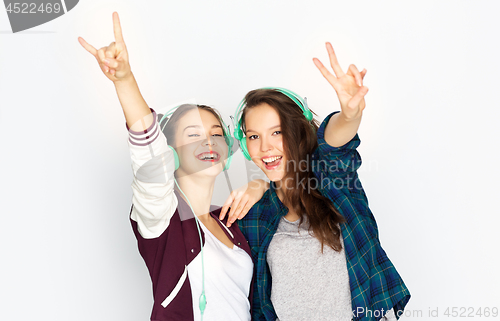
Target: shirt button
[[239, 243], [192, 250]]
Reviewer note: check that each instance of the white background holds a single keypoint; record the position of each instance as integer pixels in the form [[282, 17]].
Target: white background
[[429, 137]]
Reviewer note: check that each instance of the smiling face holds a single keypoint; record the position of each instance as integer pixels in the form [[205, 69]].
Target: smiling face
[[200, 144], [265, 140]]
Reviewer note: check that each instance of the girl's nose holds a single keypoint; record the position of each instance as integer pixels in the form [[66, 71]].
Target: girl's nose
[[209, 141], [265, 145]]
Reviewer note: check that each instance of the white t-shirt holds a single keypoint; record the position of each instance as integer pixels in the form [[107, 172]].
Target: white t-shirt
[[228, 273]]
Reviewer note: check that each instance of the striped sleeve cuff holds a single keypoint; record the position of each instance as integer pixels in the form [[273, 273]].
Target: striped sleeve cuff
[[147, 136]]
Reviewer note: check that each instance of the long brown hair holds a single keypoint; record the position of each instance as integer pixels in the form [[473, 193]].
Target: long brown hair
[[300, 141]]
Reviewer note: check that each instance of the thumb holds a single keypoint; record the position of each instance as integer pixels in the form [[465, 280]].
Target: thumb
[[356, 99]]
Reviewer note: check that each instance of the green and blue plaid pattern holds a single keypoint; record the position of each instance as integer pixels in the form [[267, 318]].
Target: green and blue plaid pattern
[[376, 286]]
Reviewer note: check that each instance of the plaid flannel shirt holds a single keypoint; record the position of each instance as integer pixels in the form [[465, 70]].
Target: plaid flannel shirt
[[376, 286]]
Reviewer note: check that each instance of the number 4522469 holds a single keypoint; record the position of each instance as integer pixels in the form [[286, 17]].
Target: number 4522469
[[32, 8], [471, 312]]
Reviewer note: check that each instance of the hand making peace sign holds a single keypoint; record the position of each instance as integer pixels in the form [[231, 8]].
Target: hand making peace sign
[[112, 59], [349, 86]]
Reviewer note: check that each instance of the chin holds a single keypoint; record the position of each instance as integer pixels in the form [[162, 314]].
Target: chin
[[273, 175], [213, 170]]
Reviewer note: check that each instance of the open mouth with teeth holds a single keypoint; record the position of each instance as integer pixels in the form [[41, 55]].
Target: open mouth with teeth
[[272, 162], [209, 156]]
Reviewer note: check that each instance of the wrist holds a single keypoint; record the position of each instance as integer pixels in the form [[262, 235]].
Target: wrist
[[126, 79], [342, 116]]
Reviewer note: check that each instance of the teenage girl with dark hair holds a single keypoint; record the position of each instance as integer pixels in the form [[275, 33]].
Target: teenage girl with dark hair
[[200, 269], [313, 238]]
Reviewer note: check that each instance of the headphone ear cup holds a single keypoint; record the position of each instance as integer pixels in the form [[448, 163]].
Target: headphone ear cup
[[176, 157], [244, 149], [238, 134]]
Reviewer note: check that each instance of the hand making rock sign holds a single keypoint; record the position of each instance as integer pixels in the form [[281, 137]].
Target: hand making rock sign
[[112, 59], [184, 244]]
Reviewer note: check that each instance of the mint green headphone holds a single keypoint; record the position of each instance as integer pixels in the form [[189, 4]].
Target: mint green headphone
[[225, 130], [238, 132]]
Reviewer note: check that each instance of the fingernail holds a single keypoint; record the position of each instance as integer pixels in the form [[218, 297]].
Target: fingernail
[[106, 61]]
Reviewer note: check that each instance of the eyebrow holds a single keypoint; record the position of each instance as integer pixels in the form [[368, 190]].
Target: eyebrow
[[198, 126], [251, 130]]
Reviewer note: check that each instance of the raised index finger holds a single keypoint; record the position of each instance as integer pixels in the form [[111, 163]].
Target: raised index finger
[[87, 46], [117, 28], [333, 61]]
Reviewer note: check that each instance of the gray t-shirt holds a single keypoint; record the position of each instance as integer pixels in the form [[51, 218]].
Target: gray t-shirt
[[306, 284]]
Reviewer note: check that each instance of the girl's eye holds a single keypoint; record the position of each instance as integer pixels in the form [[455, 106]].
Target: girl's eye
[[252, 137], [277, 132], [193, 135], [218, 135]]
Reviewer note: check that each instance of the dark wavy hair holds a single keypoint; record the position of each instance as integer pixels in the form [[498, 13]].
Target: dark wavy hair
[[299, 142]]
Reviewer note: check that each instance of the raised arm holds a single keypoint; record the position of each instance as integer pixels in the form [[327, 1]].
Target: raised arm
[[153, 200], [343, 126], [114, 63]]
